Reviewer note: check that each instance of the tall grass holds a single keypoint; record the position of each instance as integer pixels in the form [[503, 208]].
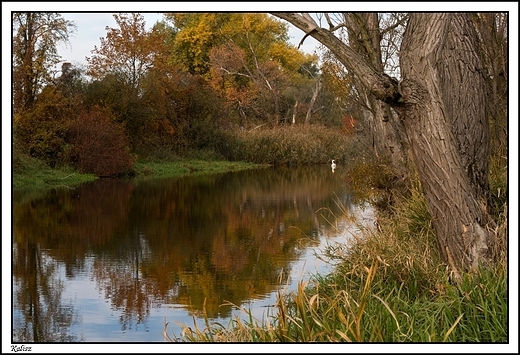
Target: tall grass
[[297, 145], [372, 311], [389, 285]]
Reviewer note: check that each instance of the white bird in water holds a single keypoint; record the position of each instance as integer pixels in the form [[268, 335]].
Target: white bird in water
[[333, 165]]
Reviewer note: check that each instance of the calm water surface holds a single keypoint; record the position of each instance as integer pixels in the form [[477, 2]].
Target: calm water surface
[[113, 260]]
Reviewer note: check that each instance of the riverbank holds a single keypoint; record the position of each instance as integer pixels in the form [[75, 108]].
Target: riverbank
[[32, 174], [164, 169]]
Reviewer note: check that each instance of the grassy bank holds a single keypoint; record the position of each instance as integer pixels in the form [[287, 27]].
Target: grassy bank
[[30, 174], [237, 150], [161, 169], [389, 285], [346, 308]]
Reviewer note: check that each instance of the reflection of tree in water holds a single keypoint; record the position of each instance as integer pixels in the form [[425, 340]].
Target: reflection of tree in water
[[39, 315], [196, 241], [66, 223], [121, 281], [202, 241], [234, 244]]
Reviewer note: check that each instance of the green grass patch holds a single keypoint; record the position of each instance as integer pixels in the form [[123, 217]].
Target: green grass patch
[[33, 174], [163, 169]]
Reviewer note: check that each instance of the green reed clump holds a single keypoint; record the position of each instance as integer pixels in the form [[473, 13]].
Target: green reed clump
[[310, 144]]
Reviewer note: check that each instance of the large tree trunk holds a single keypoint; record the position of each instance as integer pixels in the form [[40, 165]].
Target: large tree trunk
[[444, 118], [440, 103], [386, 132], [463, 88], [492, 30]]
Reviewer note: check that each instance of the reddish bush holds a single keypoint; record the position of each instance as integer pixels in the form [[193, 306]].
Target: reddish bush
[[100, 144]]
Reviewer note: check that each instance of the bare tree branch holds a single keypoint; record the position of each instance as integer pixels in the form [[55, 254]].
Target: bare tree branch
[[380, 85]]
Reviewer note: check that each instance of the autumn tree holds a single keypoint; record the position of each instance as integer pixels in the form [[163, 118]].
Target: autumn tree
[[339, 97], [35, 39], [265, 59], [446, 127], [245, 56], [118, 67], [41, 131], [128, 51], [196, 34]]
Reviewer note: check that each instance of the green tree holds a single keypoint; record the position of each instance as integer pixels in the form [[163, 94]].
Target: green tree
[[35, 37]]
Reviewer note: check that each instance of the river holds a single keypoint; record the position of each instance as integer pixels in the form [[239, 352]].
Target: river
[[113, 260]]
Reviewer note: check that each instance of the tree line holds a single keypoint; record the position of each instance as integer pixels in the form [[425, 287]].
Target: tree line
[[174, 87]]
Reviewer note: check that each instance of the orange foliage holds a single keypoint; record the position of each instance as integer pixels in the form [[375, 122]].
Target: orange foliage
[[349, 125]]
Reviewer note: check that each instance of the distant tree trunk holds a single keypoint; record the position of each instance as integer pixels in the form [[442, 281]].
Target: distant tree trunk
[[295, 112], [315, 93], [35, 38], [276, 106], [385, 129], [440, 102], [27, 48]]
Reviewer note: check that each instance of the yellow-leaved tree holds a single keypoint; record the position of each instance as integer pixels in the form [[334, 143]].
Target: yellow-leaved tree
[[247, 58]]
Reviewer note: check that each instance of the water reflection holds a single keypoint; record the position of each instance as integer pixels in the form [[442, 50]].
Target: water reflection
[[192, 242]]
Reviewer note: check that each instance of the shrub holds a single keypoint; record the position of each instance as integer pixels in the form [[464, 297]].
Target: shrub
[[100, 145]]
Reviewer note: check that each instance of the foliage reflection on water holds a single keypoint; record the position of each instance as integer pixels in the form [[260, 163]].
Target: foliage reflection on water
[[193, 242]]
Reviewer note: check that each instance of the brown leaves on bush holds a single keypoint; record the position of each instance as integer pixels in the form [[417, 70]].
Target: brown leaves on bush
[[101, 146]]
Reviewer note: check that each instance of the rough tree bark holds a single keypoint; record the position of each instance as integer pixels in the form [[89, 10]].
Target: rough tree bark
[[387, 132], [444, 117], [441, 106]]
